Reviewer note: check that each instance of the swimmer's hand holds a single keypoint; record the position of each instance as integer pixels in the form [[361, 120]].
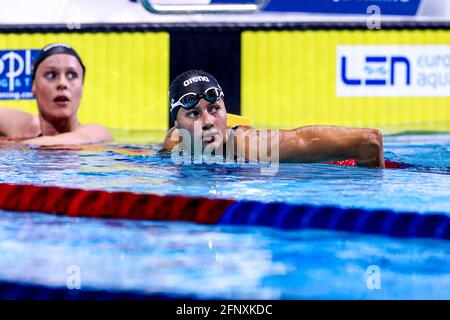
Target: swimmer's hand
[[370, 151], [173, 138]]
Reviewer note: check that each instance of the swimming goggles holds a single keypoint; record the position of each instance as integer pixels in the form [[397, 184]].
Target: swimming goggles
[[191, 99]]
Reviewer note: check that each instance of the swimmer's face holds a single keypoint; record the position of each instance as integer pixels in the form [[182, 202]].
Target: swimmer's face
[[210, 118], [58, 87]]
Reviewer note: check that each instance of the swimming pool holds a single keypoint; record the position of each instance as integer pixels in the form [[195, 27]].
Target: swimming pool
[[219, 261]]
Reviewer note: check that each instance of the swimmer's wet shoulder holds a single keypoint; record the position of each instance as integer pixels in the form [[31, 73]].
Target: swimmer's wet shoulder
[[18, 124]]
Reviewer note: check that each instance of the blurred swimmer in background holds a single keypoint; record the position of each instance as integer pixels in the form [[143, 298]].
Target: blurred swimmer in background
[[57, 84]]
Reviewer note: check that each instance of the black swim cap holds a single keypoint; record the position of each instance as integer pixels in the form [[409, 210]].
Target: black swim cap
[[195, 81], [55, 48]]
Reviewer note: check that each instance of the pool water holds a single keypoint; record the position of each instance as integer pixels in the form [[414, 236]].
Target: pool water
[[228, 261], [422, 188]]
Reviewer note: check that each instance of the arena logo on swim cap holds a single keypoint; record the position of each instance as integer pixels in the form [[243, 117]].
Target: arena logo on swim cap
[[195, 79]]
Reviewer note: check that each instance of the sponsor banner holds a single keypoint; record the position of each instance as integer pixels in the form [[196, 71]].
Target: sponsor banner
[[393, 70], [15, 74], [389, 7], [300, 82]]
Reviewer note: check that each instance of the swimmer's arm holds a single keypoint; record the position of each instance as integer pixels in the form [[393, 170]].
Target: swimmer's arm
[[88, 133], [322, 143], [330, 143], [18, 124]]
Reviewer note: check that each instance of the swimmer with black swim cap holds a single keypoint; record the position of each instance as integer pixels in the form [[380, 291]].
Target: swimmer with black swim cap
[[57, 84], [52, 49], [196, 95], [196, 102]]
